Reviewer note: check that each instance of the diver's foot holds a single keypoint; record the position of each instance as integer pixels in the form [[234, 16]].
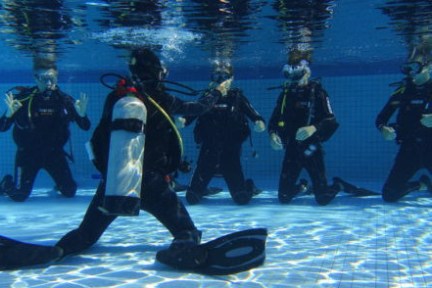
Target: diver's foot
[[212, 191], [250, 186], [178, 187], [6, 184], [193, 197], [425, 183], [186, 239], [344, 186], [284, 198], [303, 186]]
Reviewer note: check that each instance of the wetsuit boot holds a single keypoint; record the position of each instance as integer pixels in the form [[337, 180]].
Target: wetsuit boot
[[250, 186], [184, 252]]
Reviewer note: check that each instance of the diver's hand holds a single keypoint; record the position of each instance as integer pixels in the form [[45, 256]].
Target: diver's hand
[[304, 81], [305, 132], [224, 86], [388, 133], [12, 104], [259, 126], [81, 105], [426, 120], [275, 142], [180, 122]]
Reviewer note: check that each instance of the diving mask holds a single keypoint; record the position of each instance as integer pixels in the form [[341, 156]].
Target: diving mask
[[417, 71], [46, 79], [220, 76], [295, 73]]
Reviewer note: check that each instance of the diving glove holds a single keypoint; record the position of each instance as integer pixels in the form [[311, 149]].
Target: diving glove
[[12, 104], [305, 132], [388, 133], [81, 105], [259, 126], [275, 142], [426, 120]]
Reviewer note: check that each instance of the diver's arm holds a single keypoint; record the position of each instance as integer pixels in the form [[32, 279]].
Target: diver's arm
[[82, 122], [247, 108], [275, 118], [327, 123], [195, 108], [6, 122], [8, 118], [387, 111]]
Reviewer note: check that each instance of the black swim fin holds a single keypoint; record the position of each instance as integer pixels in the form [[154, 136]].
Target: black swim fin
[[15, 254], [229, 254], [362, 192], [352, 189], [212, 191]]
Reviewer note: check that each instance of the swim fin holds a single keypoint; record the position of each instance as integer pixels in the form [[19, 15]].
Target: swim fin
[[352, 189], [212, 191], [15, 254], [229, 254]]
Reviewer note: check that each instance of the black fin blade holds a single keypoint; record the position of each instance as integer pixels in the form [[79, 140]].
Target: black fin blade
[[15, 254], [232, 253], [236, 252]]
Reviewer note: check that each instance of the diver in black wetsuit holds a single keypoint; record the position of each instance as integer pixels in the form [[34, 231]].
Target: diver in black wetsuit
[[300, 122], [412, 131], [40, 117], [220, 132], [161, 156]]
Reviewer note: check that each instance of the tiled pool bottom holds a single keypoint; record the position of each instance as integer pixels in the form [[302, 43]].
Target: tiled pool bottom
[[353, 242]]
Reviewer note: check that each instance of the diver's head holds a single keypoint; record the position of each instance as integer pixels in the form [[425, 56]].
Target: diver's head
[[46, 79], [146, 68], [222, 72], [418, 69], [297, 73], [45, 72]]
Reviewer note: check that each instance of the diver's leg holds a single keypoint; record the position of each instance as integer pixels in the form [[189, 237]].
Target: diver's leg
[[406, 164], [232, 172], [27, 165], [159, 200], [58, 168], [291, 167], [203, 173], [314, 165], [91, 228]]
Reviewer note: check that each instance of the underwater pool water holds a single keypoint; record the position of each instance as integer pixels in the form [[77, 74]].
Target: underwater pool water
[[357, 51]]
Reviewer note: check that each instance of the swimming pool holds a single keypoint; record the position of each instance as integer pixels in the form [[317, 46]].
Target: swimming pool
[[352, 242]]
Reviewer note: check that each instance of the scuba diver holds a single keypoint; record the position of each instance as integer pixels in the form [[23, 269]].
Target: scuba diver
[[136, 119], [220, 132], [40, 117], [412, 131], [301, 121]]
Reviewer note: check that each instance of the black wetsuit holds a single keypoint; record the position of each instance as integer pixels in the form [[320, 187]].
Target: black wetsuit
[[298, 107], [41, 129], [161, 158], [415, 152], [221, 133]]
